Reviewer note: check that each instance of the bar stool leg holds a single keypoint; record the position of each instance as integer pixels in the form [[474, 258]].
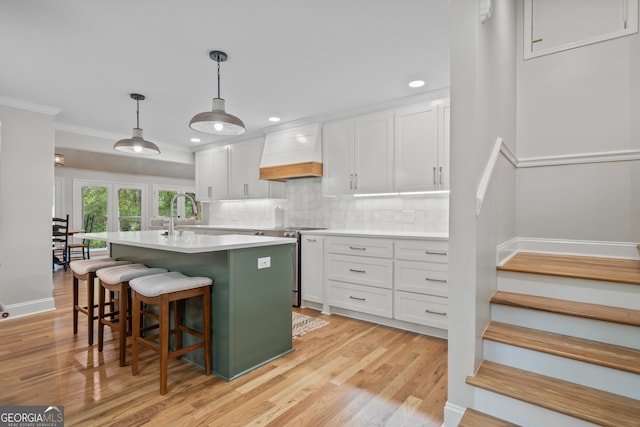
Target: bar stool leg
[[91, 286], [101, 302], [206, 328], [123, 320], [164, 342], [135, 334], [76, 287]]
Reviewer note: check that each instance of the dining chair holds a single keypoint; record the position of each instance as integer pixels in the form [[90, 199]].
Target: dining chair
[[60, 241], [77, 249]]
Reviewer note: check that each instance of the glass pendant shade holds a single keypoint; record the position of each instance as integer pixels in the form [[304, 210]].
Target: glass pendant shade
[[217, 121], [136, 144]]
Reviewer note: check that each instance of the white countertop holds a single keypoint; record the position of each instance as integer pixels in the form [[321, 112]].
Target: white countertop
[[379, 233], [188, 242]]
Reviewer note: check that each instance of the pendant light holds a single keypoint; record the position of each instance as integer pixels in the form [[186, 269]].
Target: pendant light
[[217, 121], [137, 144]]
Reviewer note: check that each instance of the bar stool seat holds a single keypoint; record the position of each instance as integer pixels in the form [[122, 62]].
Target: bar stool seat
[[85, 270], [161, 290], [116, 280]]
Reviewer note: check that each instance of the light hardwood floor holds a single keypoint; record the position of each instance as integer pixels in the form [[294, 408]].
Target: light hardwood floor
[[347, 373]]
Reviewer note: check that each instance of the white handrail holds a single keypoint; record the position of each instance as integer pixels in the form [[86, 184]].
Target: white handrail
[[488, 173]]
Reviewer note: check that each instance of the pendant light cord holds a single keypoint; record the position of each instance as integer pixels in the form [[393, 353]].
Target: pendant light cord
[[137, 113], [218, 61]]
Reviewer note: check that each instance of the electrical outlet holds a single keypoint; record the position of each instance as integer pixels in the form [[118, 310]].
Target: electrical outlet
[[264, 262], [408, 216]]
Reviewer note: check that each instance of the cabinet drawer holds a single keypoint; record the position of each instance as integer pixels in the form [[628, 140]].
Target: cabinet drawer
[[422, 309], [380, 248], [421, 277], [362, 270], [422, 250], [365, 299]]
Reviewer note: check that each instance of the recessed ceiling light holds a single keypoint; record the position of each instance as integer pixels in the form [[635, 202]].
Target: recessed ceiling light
[[274, 119], [416, 83], [195, 139]]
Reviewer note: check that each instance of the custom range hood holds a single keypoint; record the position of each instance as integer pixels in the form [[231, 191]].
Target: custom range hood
[[292, 153]]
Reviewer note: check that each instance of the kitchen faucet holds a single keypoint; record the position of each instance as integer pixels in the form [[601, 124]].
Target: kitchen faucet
[[172, 227]]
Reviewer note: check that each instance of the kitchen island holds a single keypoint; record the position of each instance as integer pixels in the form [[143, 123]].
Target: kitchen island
[[251, 294]]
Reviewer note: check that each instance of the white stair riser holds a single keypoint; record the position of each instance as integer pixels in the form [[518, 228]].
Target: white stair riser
[[595, 330], [566, 288], [586, 374], [522, 413]]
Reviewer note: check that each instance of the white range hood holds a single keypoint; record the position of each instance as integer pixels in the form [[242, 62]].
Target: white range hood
[[292, 153]]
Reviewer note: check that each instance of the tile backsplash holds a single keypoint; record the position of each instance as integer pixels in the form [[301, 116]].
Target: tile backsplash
[[306, 207]]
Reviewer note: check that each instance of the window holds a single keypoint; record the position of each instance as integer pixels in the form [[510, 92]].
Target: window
[[115, 207], [183, 207]]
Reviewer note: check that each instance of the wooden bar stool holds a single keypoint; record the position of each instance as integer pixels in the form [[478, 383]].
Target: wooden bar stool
[[161, 290], [85, 270], [116, 280]]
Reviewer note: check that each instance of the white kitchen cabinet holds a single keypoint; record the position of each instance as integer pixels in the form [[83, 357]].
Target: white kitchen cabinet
[[421, 147], [416, 148], [244, 173], [554, 26], [358, 155], [212, 168], [421, 282], [393, 281], [311, 269]]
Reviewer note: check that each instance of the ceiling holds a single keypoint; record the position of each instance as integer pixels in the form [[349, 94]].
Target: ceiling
[[289, 58]]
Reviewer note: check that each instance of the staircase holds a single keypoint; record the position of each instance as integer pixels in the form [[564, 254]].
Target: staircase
[[563, 345]]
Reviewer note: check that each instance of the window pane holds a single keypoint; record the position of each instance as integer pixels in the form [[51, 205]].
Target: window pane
[[188, 206], [129, 209], [94, 202], [164, 200]]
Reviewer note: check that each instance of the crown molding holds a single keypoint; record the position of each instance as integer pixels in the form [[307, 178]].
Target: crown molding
[[28, 106]]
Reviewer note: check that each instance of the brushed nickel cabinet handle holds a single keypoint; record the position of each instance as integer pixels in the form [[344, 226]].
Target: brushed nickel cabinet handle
[[440, 175], [357, 299], [440, 313], [357, 271], [435, 252], [312, 240], [434, 175], [435, 280], [358, 248], [209, 191], [536, 41]]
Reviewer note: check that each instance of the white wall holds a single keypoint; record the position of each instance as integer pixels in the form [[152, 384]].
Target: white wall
[[575, 103], [26, 195], [483, 104]]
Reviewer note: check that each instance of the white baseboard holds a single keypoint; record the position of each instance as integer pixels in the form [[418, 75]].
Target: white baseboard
[[452, 414], [625, 250], [28, 308]]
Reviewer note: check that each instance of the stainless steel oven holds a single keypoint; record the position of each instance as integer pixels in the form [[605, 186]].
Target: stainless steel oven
[[292, 232]]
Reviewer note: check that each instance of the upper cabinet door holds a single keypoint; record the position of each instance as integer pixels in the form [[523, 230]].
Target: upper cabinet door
[[416, 148], [552, 26], [204, 175], [244, 171], [220, 162], [337, 154], [374, 153]]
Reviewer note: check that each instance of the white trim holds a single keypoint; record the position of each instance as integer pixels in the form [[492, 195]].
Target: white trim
[[624, 250], [452, 414], [487, 174], [509, 155], [573, 159], [23, 105], [28, 308]]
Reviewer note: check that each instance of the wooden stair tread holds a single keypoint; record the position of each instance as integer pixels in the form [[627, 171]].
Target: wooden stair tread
[[571, 308], [578, 401], [581, 267], [473, 418], [594, 352]]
